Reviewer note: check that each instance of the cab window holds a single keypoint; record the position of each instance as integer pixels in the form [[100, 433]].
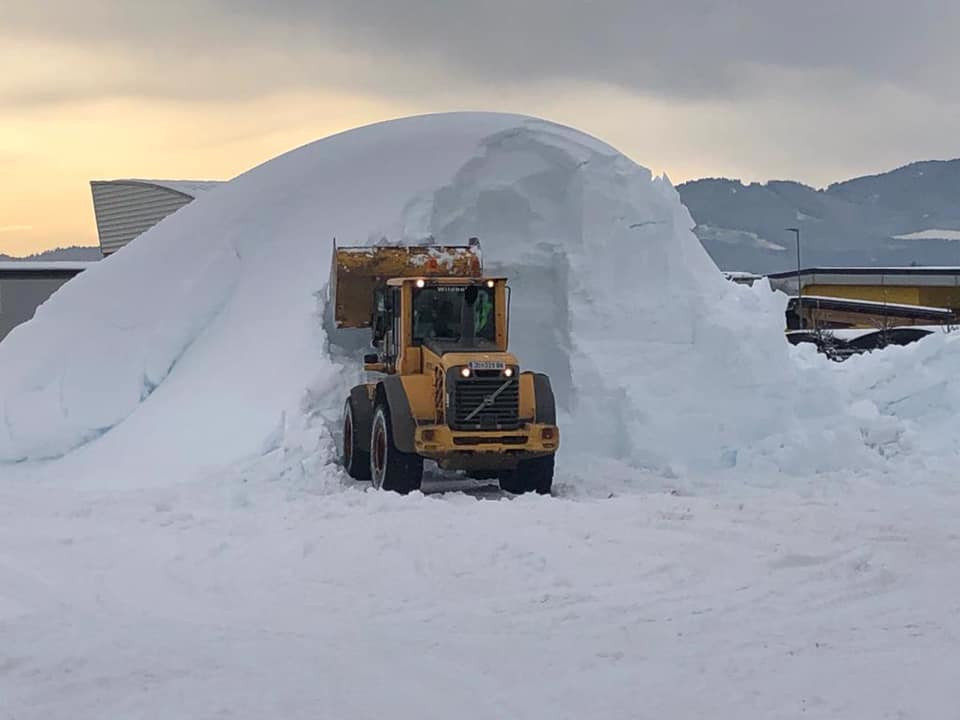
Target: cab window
[[437, 313]]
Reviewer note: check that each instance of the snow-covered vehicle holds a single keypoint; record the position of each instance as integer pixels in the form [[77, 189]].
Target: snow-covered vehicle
[[452, 392]]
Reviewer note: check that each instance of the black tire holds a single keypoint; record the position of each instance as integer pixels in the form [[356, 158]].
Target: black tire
[[535, 475], [354, 459], [391, 469]]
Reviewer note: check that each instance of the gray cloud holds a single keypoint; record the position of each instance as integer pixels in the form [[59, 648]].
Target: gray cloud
[[674, 49], [808, 88]]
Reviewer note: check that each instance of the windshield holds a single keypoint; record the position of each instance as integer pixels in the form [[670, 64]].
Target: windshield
[[436, 313]]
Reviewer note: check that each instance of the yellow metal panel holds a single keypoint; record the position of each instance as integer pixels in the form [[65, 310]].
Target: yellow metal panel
[[419, 390], [441, 446], [902, 294], [434, 369], [527, 396], [502, 328], [947, 296], [943, 297], [431, 359], [410, 359], [462, 358]]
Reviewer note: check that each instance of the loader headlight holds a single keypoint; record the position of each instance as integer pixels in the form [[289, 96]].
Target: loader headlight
[[508, 372], [465, 372], [490, 283], [421, 282]]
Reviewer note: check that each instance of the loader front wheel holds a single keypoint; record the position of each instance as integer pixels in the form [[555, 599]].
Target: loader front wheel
[[355, 460], [534, 475], [391, 469]]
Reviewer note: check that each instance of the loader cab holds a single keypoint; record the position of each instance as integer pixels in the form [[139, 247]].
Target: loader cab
[[454, 314], [440, 314]]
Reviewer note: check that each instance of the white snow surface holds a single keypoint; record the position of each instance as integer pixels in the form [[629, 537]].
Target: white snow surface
[[741, 528], [246, 598], [933, 234]]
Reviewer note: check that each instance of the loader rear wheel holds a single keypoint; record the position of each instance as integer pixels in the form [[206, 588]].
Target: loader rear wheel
[[355, 460], [534, 475], [391, 469]]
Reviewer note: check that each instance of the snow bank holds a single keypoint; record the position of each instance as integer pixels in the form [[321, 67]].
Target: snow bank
[[202, 343]]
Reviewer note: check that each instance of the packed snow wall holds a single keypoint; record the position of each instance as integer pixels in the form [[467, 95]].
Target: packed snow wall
[[202, 343]]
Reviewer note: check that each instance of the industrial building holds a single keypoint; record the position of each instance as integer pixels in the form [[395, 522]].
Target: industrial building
[[125, 209], [870, 297], [928, 286], [24, 286]]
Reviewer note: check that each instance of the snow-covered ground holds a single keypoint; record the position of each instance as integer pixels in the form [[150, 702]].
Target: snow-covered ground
[[741, 528], [244, 598]]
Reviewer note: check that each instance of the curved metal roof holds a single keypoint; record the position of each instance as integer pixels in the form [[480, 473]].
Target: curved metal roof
[[125, 209], [190, 188]]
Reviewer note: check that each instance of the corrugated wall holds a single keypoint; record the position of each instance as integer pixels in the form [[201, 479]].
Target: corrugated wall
[[126, 209]]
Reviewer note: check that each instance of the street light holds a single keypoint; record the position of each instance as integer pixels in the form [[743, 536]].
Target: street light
[[796, 231]]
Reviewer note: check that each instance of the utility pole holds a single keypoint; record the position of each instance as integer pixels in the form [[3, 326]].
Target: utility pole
[[796, 231]]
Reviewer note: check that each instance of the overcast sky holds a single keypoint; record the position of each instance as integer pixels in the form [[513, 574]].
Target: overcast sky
[[810, 90]]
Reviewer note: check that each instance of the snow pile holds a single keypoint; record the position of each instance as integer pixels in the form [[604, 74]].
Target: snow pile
[[907, 398], [202, 343]]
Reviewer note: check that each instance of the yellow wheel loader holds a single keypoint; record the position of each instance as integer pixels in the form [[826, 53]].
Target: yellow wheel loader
[[450, 391]]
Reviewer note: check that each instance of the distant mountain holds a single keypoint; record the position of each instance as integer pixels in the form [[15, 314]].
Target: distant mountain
[[75, 254], [908, 216]]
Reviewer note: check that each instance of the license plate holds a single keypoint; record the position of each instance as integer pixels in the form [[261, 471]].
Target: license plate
[[487, 365]]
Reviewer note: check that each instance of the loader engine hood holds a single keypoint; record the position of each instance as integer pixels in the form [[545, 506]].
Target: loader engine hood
[[482, 391]]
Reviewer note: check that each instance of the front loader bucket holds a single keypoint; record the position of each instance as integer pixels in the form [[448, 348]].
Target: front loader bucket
[[356, 272]]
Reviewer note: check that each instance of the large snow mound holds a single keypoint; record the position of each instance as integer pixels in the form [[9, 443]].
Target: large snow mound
[[202, 343]]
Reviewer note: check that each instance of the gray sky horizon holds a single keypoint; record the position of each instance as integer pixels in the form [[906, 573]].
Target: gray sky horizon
[[816, 92]]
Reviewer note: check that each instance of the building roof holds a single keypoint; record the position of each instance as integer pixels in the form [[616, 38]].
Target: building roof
[[926, 275], [855, 333], [873, 307], [45, 265], [125, 209], [190, 188], [895, 270]]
